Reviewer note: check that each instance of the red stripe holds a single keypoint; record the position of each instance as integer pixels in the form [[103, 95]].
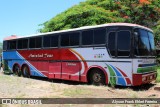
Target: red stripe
[[127, 79]]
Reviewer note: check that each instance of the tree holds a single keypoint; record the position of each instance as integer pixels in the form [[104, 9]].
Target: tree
[[93, 12]]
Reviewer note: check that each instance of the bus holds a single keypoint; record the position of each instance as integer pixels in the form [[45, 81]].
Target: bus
[[115, 53]]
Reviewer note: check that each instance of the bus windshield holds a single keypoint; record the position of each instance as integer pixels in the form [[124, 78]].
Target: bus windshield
[[144, 43]]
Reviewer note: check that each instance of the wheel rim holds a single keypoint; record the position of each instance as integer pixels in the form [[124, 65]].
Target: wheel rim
[[96, 77], [25, 72], [16, 70]]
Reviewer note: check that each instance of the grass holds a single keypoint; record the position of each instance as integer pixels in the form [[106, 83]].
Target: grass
[[76, 92], [158, 75]]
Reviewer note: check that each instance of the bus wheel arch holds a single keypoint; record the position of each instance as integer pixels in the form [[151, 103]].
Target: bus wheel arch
[[25, 71], [97, 76], [16, 69]]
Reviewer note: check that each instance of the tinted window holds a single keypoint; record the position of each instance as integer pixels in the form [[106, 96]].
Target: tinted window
[[20, 44], [111, 43], [38, 42], [99, 36], [32, 43], [12, 45], [70, 39], [46, 41], [50, 41], [144, 43], [87, 37], [65, 40], [74, 39], [5, 45], [123, 43], [23, 44], [35, 42], [8, 45], [54, 41]]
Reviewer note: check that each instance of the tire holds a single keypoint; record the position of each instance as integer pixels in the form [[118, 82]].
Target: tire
[[25, 72], [97, 77], [17, 71]]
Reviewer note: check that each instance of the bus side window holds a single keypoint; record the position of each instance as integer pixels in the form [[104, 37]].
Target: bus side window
[[35, 42], [5, 45], [70, 39], [87, 37], [112, 43], [54, 41], [32, 43], [25, 43], [99, 36], [123, 43], [65, 40], [12, 44], [20, 44], [46, 41], [38, 42], [74, 39]]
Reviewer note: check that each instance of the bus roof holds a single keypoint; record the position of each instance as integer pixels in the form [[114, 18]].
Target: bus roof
[[81, 28]]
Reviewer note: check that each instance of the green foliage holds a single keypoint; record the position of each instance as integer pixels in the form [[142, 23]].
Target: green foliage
[[1, 46], [157, 34], [158, 75], [94, 12]]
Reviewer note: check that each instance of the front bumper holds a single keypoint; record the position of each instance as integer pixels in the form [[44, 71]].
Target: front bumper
[[139, 79]]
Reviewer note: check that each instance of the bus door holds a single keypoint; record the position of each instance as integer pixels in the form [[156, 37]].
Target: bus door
[[119, 46]]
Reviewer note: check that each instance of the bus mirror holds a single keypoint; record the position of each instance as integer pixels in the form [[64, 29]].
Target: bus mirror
[[136, 36]]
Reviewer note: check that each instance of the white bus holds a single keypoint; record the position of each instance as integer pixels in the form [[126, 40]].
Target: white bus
[[115, 53]]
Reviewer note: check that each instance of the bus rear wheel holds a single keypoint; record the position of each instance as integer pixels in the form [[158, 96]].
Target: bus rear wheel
[[25, 71], [97, 77], [16, 70]]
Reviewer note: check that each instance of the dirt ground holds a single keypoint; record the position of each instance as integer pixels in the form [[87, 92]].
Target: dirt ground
[[19, 87]]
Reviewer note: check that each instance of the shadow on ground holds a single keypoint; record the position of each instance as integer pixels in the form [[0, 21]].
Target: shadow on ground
[[134, 88], [59, 81], [143, 87]]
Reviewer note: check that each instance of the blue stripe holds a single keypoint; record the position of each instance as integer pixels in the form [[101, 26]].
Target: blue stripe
[[120, 78], [13, 58]]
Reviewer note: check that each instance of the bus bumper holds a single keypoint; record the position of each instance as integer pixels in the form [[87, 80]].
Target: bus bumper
[[139, 79]]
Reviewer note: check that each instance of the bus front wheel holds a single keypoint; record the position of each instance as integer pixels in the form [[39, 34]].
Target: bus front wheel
[[25, 71], [97, 77]]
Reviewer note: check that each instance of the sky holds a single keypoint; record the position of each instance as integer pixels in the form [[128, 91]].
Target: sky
[[22, 17]]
